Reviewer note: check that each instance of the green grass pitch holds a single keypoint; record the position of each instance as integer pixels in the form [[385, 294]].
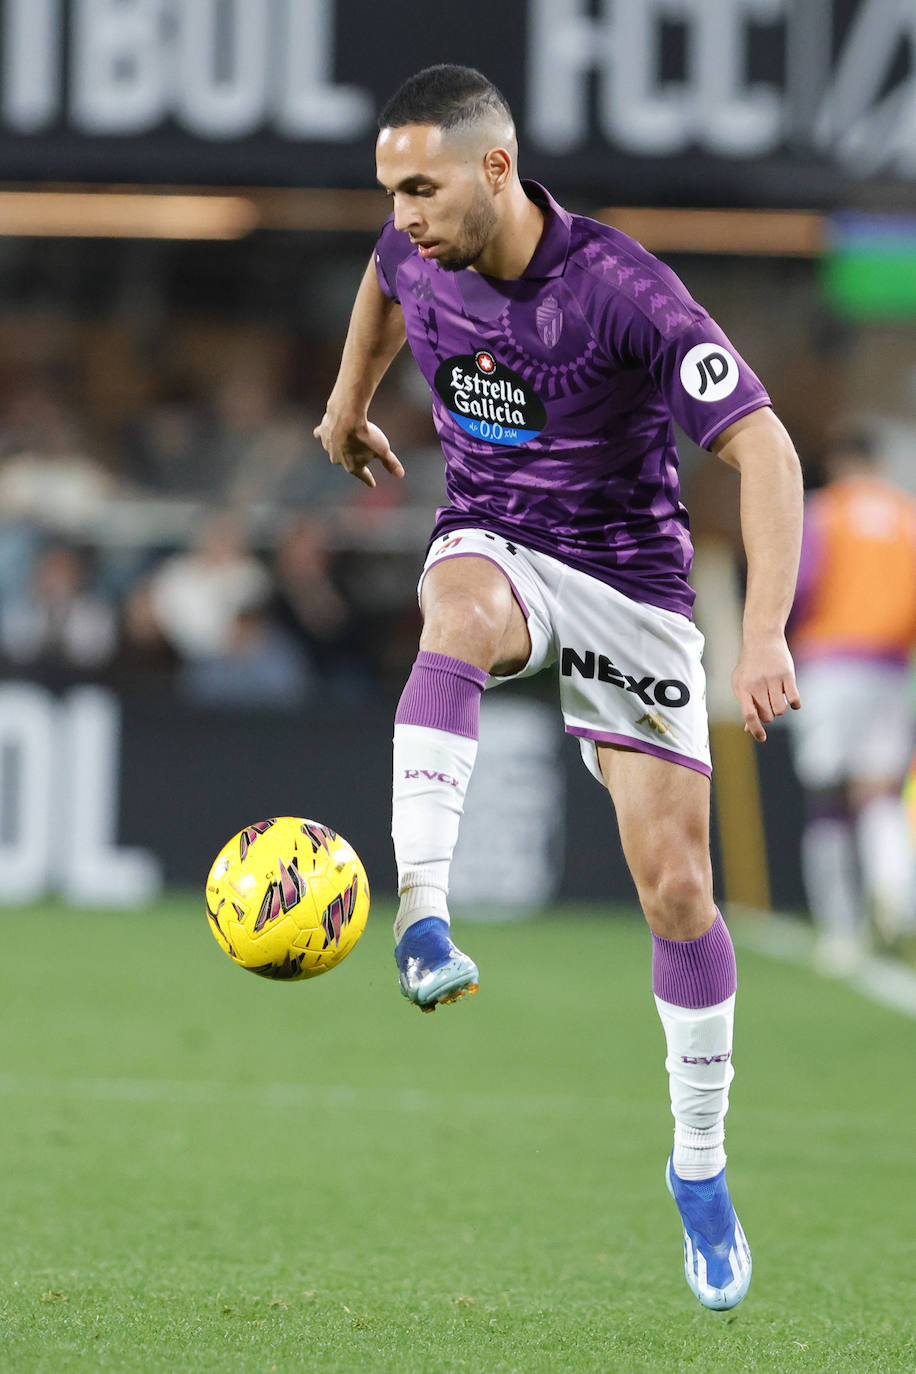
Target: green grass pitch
[[203, 1171]]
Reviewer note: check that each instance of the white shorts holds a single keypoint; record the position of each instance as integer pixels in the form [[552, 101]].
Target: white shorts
[[630, 674], [856, 722]]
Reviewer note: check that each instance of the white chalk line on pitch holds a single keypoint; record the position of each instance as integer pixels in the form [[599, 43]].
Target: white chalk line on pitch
[[324, 1096], [823, 1126], [882, 980]]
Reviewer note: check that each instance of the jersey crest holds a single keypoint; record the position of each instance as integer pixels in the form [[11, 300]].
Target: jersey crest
[[549, 320]]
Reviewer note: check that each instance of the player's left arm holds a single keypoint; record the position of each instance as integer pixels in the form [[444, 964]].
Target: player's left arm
[[771, 529]]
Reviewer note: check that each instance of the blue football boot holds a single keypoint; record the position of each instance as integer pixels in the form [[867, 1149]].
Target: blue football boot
[[430, 969], [717, 1261]]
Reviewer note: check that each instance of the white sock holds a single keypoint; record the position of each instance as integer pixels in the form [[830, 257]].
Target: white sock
[[831, 878], [432, 769], [700, 1071], [887, 861]]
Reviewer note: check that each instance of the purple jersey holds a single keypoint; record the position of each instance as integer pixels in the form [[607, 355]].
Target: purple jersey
[[555, 396]]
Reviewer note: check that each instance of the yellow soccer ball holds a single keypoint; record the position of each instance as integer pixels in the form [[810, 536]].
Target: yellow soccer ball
[[287, 898]]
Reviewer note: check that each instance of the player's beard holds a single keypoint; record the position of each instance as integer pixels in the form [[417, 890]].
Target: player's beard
[[474, 235]]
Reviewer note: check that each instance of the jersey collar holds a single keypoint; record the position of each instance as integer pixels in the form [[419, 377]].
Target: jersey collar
[[550, 256]]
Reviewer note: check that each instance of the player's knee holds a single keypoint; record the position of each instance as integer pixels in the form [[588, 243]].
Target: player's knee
[[463, 626], [677, 898], [862, 794], [826, 804]]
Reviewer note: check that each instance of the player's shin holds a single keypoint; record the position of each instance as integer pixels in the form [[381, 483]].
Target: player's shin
[[832, 883], [435, 745], [887, 862], [694, 983]]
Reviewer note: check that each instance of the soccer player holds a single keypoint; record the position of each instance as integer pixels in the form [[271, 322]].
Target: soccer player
[[853, 634], [559, 353]]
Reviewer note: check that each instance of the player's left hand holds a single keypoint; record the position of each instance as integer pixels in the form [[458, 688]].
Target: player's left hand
[[355, 442], [764, 682]]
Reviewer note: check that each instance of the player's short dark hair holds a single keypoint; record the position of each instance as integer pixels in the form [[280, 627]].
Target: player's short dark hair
[[446, 96]]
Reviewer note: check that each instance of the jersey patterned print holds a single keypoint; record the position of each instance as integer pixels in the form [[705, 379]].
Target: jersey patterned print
[[555, 396]]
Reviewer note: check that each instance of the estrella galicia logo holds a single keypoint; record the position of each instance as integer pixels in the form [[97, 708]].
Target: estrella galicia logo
[[488, 400], [709, 372]]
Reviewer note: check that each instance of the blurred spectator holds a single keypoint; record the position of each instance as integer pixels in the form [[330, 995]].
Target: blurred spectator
[[261, 666], [310, 605], [853, 631], [59, 623], [37, 419], [20, 543], [264, 443], [241, 446], [48, 476], [196, 596], [146, 658], [166, 449], [213, 607]]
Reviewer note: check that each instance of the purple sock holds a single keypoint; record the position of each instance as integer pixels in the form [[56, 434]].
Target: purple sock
[[443, 693], [695, 973]]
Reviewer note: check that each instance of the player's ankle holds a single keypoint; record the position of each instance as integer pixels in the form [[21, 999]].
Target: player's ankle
[[417, 904], [698, 1153]]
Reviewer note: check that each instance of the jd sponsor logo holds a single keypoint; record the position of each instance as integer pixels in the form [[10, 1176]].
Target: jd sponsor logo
[[708, 372], [666, 691], [488, 400]]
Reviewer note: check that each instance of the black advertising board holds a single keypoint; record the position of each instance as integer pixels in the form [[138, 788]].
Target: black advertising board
[[105, 798], [747, 102]]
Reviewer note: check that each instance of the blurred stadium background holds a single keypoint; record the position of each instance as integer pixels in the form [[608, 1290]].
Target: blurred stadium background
[[202, 623], [196, 611]]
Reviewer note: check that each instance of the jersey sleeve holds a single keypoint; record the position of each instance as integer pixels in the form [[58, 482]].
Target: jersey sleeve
[[705, 382], [654, 323], [391, 249]]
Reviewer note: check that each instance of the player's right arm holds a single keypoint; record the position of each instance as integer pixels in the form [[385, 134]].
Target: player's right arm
[[375, 335]]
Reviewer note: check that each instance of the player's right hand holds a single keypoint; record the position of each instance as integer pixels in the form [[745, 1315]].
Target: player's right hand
[[354, 447]]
